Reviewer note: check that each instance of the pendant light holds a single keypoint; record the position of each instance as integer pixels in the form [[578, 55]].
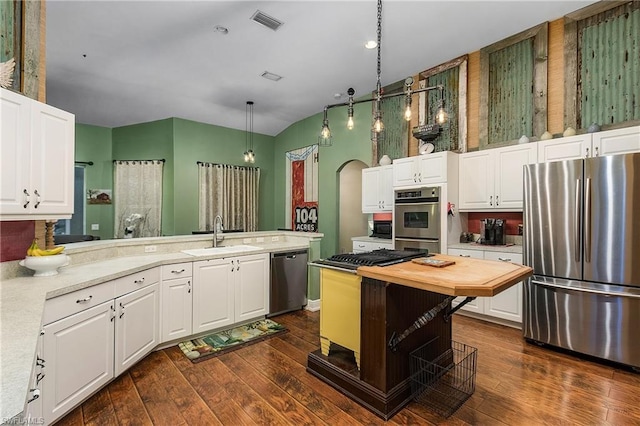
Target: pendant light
[[377, 125], [249, 155]]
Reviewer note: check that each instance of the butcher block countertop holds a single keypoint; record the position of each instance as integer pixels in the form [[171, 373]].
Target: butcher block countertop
[[467, 277]]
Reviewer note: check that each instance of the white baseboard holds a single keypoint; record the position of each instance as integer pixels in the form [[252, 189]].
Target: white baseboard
[[313, 305]]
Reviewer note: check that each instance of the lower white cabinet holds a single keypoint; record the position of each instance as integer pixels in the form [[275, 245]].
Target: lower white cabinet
[[176, 302], [33, 409], [85, 348], [361, 246], [506, 305], [79, 358], [229, 290]]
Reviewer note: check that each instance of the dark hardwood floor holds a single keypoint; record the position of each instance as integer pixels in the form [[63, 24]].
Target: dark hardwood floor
[[266, 383]]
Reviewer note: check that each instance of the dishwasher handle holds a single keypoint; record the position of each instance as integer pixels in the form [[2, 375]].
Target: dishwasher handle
[[289, 255]]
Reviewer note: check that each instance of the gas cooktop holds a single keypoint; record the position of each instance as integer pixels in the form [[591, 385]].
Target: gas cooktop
[[382, 257]]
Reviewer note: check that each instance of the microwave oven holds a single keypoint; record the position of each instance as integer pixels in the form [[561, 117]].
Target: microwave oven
[[382, 229]]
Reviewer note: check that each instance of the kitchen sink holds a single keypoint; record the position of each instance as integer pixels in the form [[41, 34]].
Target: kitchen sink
[[221, 250]]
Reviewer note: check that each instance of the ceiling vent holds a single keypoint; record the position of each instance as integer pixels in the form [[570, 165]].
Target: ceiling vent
[[271, 76], [266, 20]]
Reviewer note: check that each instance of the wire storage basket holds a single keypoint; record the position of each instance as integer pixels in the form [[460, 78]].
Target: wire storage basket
[[445, 382]]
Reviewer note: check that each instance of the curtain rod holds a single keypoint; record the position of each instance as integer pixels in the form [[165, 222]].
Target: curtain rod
[[203, 163], [121, 161], [85, 163]]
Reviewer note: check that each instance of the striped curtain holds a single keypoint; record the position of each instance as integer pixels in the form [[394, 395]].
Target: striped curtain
[[231, 192]]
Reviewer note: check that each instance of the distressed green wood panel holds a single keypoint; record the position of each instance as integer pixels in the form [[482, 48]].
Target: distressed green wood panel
[[394, 140], [10, 39], [609, 63], [510, 92], [31, 46], [450, 79]]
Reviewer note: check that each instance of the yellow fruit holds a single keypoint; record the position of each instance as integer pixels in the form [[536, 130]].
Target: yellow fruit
[[32, 250], [52, 251]]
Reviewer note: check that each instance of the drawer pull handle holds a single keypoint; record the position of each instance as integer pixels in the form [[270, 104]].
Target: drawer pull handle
[[504, 259], [39, 378], [37, 200], [141, 281], [35, 395], [464, 255], [238, 267], [26, 198], [361, 245], [189, 286], [86, 299], [122, 310], [178, 272]]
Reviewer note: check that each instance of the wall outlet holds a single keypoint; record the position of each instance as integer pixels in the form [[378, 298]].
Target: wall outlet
[[275, 238], [246, 240], [95, 226], [259, 240], [150, 249]]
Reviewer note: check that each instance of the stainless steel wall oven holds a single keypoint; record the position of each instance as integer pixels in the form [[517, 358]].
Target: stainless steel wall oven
[[417, 219]]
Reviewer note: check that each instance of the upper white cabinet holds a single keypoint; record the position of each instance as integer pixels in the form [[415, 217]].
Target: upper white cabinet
[[492, 179], [37, 157], [424, 169], [377, 189], [609, 142]]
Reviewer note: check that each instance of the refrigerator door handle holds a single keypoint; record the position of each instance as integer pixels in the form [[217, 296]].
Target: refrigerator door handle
[[587, 220], [584, 290], [576, 223]]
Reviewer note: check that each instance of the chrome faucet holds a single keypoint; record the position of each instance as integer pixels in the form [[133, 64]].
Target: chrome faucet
[[215, 230]]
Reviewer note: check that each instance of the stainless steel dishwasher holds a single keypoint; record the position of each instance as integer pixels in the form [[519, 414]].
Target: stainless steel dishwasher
[[288, 281]]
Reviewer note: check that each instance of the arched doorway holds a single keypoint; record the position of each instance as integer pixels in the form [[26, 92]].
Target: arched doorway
[[351, 221]]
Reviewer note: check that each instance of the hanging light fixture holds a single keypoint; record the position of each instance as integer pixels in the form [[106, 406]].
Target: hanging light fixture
[[377, 125], [249, 155]]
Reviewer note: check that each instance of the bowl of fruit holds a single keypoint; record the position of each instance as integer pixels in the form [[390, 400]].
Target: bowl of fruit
[[44, 262]]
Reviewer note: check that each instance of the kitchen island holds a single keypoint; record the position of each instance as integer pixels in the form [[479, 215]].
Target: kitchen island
[[393, 300]]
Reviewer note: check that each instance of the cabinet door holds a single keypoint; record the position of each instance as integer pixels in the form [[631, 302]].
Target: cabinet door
[[176, 309], [385, 189], [52, 160], [432, 168], [476, 305], [618, 141], [370, 190], [508, 304], [79, 355], [33, 406], [569, 148], [251, 287], [137, 328], [404, 172], [509, 174], [213, 294], [476, 181], [15, 144]]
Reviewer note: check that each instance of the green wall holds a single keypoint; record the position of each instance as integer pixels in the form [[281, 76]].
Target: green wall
[[94, 144], [181, 143], [347, 145]]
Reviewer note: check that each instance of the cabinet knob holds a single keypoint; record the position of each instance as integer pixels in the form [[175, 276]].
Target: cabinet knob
[[491, 200], [39, 378], [37, 199], [141, 281], [587, 156], [504, 259], [35, 394], [178, 272], [464, 255], [420, 177], [596, 151], [26, 198], [86, 299], [497, 201], [189, 286], [238, 265]]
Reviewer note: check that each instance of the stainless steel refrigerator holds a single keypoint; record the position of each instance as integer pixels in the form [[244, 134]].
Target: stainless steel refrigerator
[[582, 239]]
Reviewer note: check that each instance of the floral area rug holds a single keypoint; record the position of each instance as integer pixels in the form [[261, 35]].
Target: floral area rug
[[226, 340]]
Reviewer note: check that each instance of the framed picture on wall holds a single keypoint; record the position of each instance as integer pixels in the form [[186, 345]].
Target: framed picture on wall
[[99, 196]]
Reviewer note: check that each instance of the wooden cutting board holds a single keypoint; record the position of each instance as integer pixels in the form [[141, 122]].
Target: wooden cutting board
[[467, 277]]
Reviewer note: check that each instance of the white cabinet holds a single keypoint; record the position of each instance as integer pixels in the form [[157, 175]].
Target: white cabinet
[[365, 244], [493, 178], [137, 331], [377, 189], [79, 353], [506, 305], [37, 157], [229, 290], [609, 142], [424, 169], [176, 301]]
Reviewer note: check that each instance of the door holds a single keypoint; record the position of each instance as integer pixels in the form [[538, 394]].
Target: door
[[251, 287], [137, 328], [371, 190], [176, 309], [567, 148], [611, 219], [213, 294], [552, 218], [508, 184], [507, 304], [79, 354], [418, 220], [404, 173], [476, 180], [618, 141]]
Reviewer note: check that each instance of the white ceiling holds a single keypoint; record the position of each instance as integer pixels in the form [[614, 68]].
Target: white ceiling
[[150, 60]]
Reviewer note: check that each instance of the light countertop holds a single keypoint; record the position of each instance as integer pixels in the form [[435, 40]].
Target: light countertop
[[22, 300]]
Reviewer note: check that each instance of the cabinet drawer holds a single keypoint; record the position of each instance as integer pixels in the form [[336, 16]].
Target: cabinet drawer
[[138, 280], [476, 254], [69, 304], [504, 257], [362, 246], [177, 270]]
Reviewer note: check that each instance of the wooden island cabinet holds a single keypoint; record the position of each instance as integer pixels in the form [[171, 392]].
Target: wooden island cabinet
[[392, 299]]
